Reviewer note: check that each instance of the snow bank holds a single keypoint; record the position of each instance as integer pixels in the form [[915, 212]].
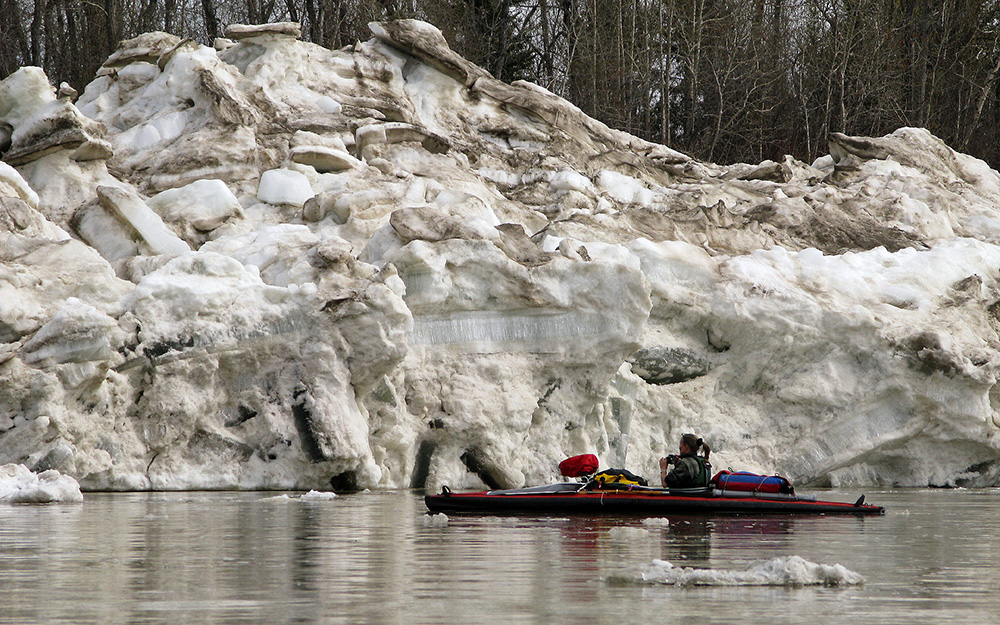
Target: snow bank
[[279, 266]]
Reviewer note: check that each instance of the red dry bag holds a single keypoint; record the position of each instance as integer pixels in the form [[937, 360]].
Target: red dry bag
[[578, 466]]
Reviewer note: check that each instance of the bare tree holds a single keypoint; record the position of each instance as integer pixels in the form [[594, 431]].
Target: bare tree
[[724, 80]]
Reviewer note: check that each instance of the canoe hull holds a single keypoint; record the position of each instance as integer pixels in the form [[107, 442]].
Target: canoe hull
[[642, 503]]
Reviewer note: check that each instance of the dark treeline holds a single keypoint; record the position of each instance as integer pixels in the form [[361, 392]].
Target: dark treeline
[[723, 80]]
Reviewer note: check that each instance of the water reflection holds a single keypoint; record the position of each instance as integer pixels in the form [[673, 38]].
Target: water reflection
[[683, 540], [689, 541], [372, 558]]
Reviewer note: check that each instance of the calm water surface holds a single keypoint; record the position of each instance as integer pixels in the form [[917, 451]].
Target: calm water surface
[[188, 558]]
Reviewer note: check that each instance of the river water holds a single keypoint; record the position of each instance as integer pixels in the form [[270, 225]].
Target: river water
[[189, 558]]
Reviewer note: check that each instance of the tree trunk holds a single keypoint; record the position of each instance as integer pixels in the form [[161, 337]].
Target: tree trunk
[[211, 22], [310, 8], [37, 32], [983, 95]]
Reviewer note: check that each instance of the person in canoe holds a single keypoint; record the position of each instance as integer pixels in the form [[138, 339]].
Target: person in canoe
[[689, 469]]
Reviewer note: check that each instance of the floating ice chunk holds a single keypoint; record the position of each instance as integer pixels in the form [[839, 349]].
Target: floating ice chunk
[[394, 282], [791, 571], [435, 520], [365, 204], [284, 186], [657, 522], [19, 485], [472, 204], [764, 271], [315, 495]]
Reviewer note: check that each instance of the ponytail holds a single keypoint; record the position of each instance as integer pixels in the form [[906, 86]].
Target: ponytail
[[695, 444]]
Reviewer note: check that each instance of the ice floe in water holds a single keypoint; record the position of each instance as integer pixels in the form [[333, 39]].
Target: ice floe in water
[[657, 522], [784, 571], [318, 495], [435, 520], [311, 496], [19, 485]]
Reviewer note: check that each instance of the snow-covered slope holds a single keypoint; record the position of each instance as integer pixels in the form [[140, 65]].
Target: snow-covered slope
[[272, 265]]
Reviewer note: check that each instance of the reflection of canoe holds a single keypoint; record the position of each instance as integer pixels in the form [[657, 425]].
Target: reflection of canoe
[[570, 497]]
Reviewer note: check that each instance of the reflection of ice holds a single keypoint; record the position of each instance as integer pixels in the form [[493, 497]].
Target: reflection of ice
[[628, 534], [487, 328]]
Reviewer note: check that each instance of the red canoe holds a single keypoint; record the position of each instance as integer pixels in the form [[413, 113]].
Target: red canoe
[[571, 497]]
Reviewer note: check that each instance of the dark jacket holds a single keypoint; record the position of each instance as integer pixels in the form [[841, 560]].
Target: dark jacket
[[690, 471]]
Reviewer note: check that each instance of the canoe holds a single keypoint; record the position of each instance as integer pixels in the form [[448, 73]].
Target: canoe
[[613, 499]]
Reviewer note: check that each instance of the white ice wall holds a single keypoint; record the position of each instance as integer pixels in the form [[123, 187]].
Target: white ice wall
[[274, 265]]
